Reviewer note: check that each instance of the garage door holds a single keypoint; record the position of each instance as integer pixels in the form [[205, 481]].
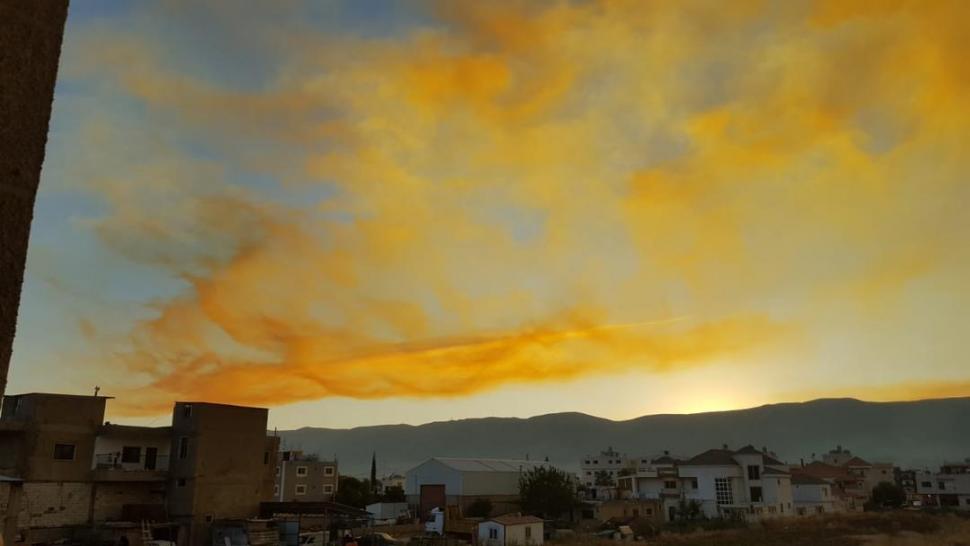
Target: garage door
[[431, 496]]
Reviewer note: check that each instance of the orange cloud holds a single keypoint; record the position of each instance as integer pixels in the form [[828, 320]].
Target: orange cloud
[[491, 198]]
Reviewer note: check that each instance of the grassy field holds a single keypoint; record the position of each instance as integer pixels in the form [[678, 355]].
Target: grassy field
[[870, 529]]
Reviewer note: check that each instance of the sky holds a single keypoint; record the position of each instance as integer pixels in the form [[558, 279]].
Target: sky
[[368, 212]]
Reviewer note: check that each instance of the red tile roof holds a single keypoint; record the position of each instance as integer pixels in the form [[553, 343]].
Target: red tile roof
[[516, 519]]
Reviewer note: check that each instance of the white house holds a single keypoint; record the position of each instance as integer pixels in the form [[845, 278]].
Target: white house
[[657, 479], [510, 530], [813, 495], [449, 481], [950, 487], [745, 483]]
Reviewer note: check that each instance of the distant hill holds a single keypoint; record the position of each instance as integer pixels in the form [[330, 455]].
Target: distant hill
[[917, 434]]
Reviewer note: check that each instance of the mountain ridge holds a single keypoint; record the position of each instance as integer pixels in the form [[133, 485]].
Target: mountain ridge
[[911, 433]]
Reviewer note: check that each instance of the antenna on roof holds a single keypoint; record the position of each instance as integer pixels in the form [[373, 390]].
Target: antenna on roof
[[97, 389]]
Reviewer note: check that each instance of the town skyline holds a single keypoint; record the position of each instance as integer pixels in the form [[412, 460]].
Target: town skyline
[[363, 213]]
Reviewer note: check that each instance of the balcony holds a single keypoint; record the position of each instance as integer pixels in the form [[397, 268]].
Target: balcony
[[108, 467]]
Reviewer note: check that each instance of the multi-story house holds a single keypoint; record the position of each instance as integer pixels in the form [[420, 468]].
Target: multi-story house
[[67, 471], [813, 495], [658, 480], [871, 474], [949, 488], [302, 477], [598, 473], [747, 483], [849, 490], [221, 465]]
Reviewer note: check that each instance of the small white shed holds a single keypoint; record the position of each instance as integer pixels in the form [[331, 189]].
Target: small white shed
[[511, 530]]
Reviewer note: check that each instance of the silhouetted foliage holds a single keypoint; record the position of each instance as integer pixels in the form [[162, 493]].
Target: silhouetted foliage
[[603, 478], [354, 492], [888, 495], [395, 493], [548, 492], [479, 508]]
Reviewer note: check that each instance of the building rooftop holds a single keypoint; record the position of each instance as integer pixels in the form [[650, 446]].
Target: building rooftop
[[489, 465], [800, 478], [857, 461], [516, 519], [718, 457]]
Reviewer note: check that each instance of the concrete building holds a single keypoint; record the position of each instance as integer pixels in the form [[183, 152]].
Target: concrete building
[[445, 481], [30, 38], [220, 460], [621, 510], [67, 472], [813, 496], [870, 473], [392, 481], [747, 483], [656, 480], [598, 473], [948, 488], [849, 490], [511, 530], [304, 478]]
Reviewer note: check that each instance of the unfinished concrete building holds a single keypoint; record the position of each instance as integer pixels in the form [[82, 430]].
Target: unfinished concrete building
[[66, 472]]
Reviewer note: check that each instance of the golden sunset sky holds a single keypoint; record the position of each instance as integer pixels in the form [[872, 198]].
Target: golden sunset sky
[[374, 212]]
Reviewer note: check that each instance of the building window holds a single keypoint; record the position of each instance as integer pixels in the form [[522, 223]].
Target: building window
[[187, 411], [693, 483], [966, 501], [926, 484], [301, 471], [328, 471], [722, 490], [276, 489], [528, 532], [670, 484], [266, 457], [771, 509], [327, 488], [180, 482], [183, 447], [208, 518], [754, 472], [755, 494], [493, 533], [301, 489], [648, 511], [64, 452], [277, 470], [942, 486], [131, 454], [825, 492]]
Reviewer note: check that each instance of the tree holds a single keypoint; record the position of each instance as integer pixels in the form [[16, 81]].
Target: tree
[[354, 492], [373, 473], [479, 508], [548, 492], [395, 493], [603, 478], [888, 495]]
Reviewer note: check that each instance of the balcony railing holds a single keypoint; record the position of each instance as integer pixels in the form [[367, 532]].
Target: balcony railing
[[114, 461]]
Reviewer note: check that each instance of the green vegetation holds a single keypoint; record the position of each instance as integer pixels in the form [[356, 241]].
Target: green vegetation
[[480, 508], [548, 492]]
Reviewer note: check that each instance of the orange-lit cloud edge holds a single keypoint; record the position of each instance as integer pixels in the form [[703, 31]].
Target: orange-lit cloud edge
[[531, 193]]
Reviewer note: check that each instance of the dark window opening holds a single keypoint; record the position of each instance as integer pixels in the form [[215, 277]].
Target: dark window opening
[[754, 472], [187, 411], [183, 447], [755, 494], [131, 454], [64, 452]]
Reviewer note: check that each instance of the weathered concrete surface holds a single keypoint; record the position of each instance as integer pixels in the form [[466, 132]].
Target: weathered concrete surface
[[30, 46]]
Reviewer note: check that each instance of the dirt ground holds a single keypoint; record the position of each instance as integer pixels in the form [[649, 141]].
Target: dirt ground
[[883, 529]]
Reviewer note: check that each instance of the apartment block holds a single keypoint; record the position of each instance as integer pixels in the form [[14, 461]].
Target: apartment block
[[64, 471], [303, 477]]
